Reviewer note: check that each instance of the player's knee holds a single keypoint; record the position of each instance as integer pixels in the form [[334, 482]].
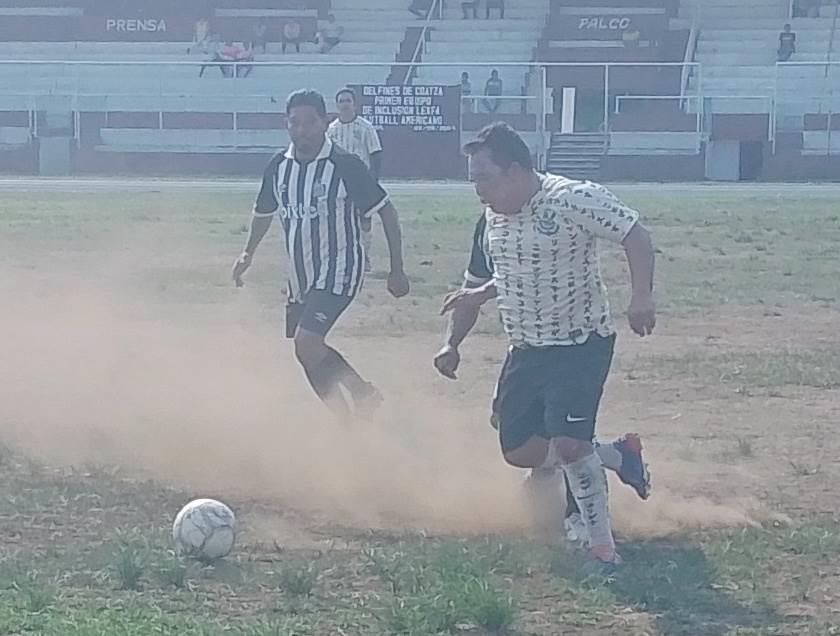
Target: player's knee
[[531, 454], [309, 348], [570, 449]]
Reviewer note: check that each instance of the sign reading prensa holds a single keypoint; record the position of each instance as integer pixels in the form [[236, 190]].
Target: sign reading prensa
[[418, 108], [135, 25]]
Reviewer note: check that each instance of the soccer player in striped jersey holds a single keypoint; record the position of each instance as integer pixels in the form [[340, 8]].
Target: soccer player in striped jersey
[[542, 235], [356, 135], [320, 194]]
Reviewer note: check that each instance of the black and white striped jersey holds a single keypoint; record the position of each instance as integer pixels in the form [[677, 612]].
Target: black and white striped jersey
[[320, 204]]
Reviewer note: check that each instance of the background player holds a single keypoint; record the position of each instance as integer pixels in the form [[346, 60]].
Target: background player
[[356, 135]]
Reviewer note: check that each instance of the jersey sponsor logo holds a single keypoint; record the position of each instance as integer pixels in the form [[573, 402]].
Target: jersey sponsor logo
[[297, 212], [547, 223]]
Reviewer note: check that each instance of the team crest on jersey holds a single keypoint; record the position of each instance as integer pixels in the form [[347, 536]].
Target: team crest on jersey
[[547, 223], [319, 190]]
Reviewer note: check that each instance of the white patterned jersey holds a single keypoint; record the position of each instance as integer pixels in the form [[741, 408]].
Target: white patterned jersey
[[545, 261]]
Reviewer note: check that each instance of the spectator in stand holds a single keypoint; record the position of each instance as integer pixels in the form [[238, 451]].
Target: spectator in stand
[[222, 57], [787, 44], [201, 37], [244, 54], [466, 93], [260, 40], [495, 4], [330, 35], [291, 35], [493, 88], [471, 5]]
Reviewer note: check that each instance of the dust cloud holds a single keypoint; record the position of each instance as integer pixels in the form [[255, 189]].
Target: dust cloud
[[208, 399]]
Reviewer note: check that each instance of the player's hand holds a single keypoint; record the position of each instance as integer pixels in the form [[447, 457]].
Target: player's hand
[[642, 314], [398, 284], [240, 266], [447, 361]]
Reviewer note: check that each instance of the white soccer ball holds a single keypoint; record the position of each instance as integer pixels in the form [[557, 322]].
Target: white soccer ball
[[205, 529]]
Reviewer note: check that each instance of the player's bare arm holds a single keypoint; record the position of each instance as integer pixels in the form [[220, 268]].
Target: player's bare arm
[[259, 228], [398, 284], [641, 258], [467, 297], [463, 315]]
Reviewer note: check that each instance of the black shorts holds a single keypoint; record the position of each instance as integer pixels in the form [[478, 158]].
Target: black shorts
[[318, 312], [552, 391]]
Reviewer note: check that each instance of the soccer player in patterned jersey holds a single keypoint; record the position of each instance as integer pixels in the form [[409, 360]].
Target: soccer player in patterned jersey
[[321, 193], [623, 456], [356, 135], [542, 235]]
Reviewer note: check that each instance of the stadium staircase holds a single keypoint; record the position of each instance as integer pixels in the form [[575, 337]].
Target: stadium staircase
[[576, 156]]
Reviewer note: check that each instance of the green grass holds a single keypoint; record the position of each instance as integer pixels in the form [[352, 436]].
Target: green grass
[[816, 368], [87, 552]]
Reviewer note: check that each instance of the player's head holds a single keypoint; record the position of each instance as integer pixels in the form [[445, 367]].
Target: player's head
[[306, 120], [501, 168], [345, 101], [787, 28]]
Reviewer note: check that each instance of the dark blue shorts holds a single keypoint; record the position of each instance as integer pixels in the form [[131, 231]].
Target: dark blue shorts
[[552, 391], [318, 312]]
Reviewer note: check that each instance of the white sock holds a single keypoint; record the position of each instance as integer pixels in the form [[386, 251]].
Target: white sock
[[588, 482], [610, 457]]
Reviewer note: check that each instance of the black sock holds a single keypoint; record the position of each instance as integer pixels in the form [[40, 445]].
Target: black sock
[[324, 381], [347, 375], [571, 504]]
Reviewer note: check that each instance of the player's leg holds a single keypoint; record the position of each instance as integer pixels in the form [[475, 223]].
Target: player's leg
[[578, 375], [311, 352], [325, 367], [518, 415], [366, 226]]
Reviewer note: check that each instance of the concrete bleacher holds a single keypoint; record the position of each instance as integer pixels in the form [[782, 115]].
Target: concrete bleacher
[[156, 140], [14, 136], [662, 143], [512, 40], [739, 61], [737, 50]]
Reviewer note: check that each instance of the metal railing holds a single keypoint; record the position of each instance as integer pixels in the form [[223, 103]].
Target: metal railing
[[436, 6], [69, 81], [827, 100], [682, 100]]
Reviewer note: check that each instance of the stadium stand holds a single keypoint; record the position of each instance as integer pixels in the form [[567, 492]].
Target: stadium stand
[[116, 85], [621, 33]]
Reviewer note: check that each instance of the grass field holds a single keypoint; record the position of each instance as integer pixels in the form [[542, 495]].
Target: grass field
[[134, 377]]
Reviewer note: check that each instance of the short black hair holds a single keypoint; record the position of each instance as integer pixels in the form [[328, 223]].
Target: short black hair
[[307, 97], [505, 145], [347, 90]]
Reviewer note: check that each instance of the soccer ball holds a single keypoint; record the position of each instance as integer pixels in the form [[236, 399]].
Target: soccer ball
[[205, 529]]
